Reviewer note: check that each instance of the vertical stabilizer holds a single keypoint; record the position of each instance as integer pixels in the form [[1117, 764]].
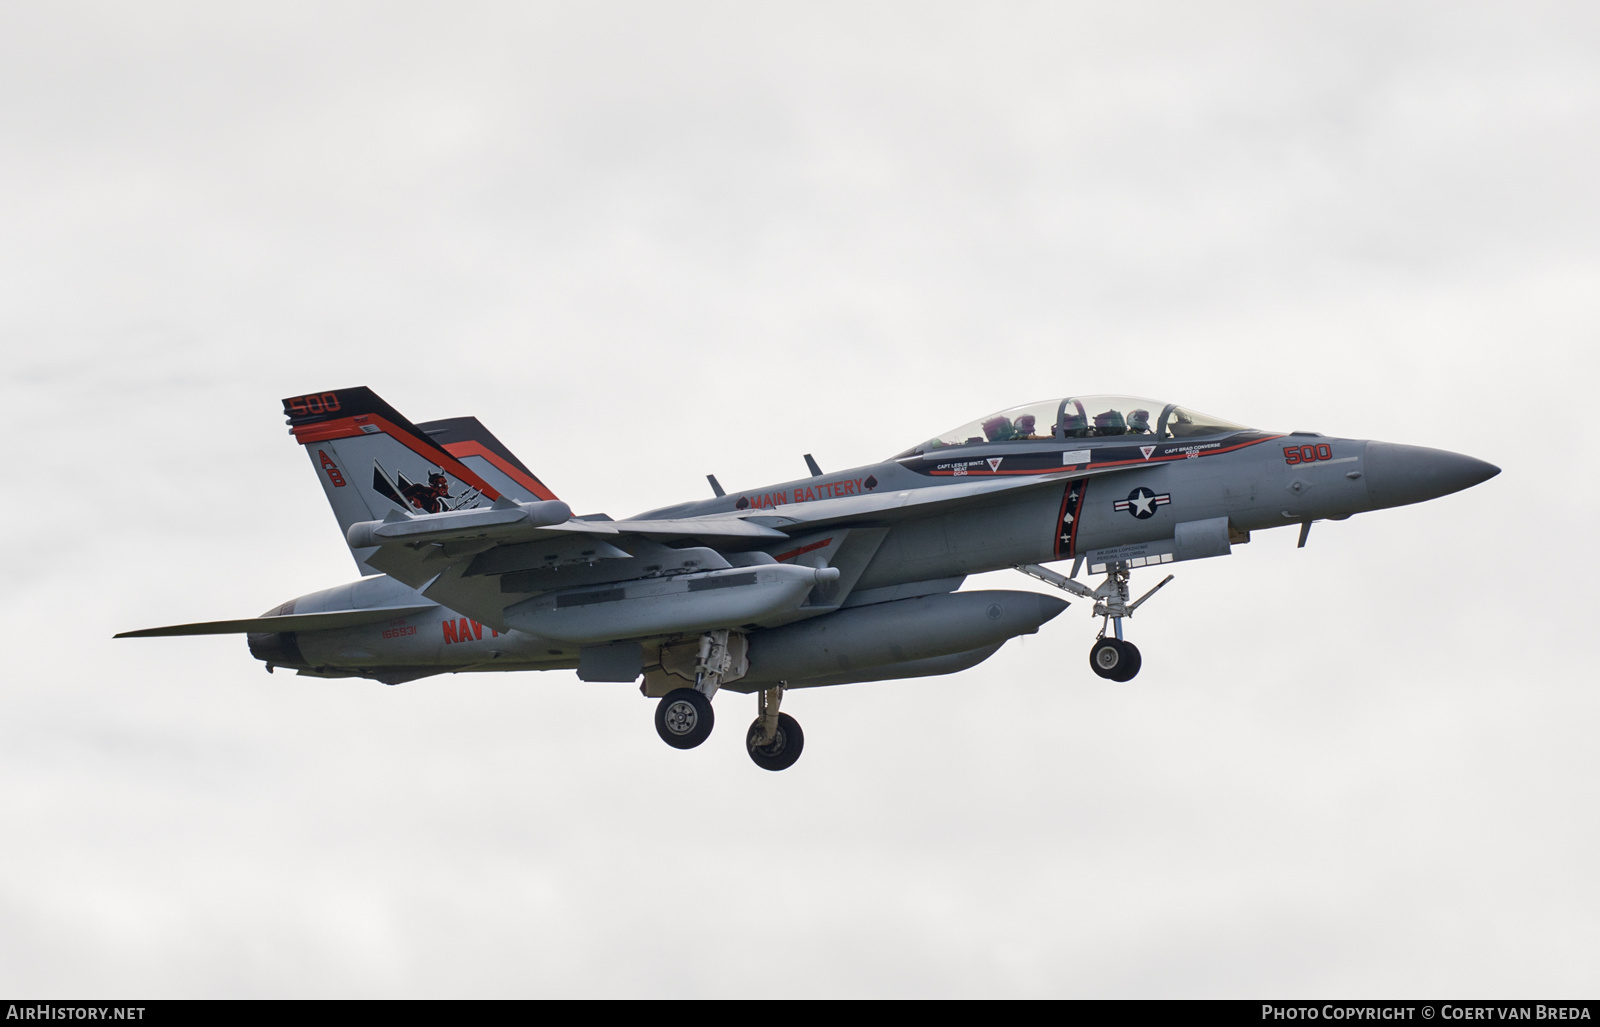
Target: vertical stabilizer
[[374, 463], [466, 439]]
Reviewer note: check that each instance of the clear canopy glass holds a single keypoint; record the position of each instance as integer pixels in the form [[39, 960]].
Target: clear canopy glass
[[1082, 417]]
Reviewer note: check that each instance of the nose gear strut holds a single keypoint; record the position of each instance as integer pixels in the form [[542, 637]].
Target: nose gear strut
[[1111, 658]]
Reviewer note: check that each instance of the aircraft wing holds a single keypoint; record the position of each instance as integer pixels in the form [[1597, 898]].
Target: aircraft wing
[[526, 522], [461, 559], [479, 562], [713, 526]]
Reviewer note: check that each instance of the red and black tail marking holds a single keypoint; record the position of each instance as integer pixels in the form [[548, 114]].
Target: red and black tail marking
[[464, 437], [350, 413]]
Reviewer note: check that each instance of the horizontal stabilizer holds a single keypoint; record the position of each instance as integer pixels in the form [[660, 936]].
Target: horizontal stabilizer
[[289, 622]]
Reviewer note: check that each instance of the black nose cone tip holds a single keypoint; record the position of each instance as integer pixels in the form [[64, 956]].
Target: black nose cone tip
[[1397, 475]]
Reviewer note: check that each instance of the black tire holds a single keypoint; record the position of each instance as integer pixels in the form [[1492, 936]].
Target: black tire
[[684, 718], [1108, 657], [785, 747], [1131, 662]]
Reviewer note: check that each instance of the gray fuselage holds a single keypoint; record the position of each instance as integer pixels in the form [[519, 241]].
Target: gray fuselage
[[1128, 498]]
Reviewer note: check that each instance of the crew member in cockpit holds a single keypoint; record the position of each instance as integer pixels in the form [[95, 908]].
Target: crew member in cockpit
[[1110, 423], [998, 429], [1075, 425], [1139, 422], [1023, 428]]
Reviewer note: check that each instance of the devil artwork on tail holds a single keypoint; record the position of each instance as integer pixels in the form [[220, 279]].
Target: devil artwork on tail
[[429, 497], [434, 497]]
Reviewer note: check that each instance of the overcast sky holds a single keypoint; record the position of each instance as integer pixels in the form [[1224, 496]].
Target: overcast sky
[[647, 242]]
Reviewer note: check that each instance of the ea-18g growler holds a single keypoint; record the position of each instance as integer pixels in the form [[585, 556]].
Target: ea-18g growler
[[470, 563]]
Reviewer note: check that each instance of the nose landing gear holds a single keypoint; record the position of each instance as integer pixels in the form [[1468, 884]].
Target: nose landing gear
[[1111, 658], [1114, 659]]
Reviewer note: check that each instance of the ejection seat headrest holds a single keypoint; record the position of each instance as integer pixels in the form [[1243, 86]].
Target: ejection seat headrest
[[1111, 420]]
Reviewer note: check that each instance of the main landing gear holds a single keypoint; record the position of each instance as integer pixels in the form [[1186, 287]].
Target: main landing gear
[[684, 717], [1113, 658], [774, 739]]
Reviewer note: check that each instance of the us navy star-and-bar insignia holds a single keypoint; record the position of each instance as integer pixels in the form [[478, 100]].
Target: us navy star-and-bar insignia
[[1142, 503]]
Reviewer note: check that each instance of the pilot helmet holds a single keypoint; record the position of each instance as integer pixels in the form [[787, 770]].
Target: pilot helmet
[[1074, 424], [1110, 423], [997, 429], [1025, 425], [1139, 420]]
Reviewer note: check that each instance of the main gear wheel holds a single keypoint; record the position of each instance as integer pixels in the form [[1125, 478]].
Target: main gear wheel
[[784, 748], [684, 718]]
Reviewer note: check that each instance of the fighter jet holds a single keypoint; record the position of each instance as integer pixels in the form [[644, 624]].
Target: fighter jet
[[470, 563]]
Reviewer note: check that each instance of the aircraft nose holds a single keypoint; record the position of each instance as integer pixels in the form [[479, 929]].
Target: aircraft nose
[[1398, 475]]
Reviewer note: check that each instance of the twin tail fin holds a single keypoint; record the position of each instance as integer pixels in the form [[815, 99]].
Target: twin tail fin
[[373, 462]]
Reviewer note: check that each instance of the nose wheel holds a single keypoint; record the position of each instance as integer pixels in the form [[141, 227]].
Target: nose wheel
[[1110, 657], [1115, 659]]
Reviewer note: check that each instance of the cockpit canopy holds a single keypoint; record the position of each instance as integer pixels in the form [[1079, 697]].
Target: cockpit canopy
[[1082, 417]]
